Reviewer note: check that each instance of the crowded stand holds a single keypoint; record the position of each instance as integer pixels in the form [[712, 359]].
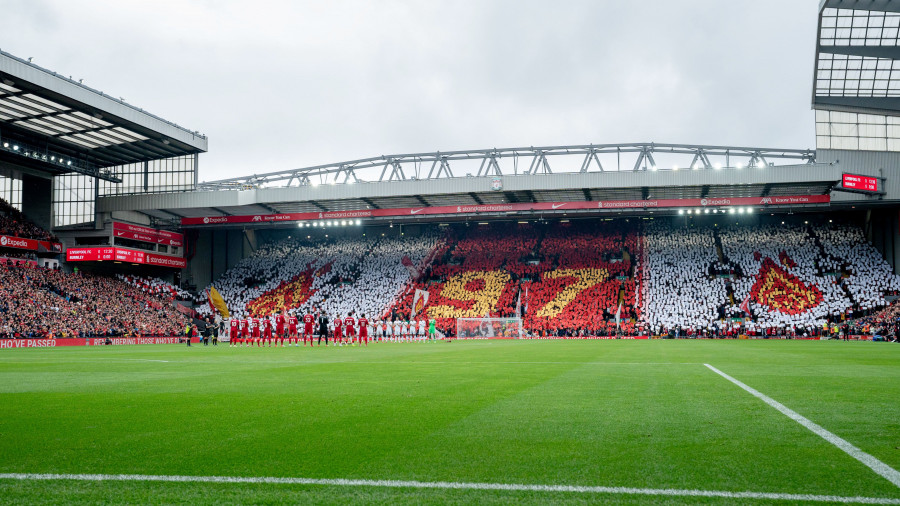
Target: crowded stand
[[14, 223], [336, 276], [677, 288], [47, 303], [156, 286], [566, 280], [796, 280]]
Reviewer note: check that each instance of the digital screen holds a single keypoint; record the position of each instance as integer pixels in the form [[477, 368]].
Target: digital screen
[[864, 183]]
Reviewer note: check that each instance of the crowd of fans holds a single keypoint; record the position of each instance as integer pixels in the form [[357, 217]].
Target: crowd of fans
[[797, 280], [157, 287], [566, 280], [14, 223], [46, 303], [338, 276], [581, 279]]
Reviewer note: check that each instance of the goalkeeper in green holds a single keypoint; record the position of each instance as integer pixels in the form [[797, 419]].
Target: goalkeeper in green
[[432, 333]]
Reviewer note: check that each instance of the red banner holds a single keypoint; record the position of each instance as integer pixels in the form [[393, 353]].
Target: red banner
[[123, 255], [511, 208], [93, 341], [8, 241], [146, 234]]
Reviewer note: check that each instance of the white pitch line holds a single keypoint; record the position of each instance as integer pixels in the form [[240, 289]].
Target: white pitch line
[[671, 492], [883, 470]]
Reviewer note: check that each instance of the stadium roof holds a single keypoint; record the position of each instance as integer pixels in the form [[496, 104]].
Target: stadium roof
[[52, 118], [858, 56]]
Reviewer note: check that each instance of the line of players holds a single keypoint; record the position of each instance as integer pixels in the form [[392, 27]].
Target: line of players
[[282, 329]]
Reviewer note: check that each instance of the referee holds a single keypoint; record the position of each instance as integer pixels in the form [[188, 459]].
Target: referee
[[323, 328]]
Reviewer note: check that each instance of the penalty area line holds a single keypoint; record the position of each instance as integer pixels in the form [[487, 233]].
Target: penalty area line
[[885, 471], [671, 492]]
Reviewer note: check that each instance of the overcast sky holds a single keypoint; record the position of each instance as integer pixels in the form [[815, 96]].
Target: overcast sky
[[279, 85]]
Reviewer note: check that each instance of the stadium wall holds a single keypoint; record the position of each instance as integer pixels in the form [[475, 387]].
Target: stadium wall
[[217, 251], [37, 200]]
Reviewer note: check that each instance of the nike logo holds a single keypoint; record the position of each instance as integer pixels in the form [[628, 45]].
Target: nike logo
[[557, 206], [416, 211], [120, 233]]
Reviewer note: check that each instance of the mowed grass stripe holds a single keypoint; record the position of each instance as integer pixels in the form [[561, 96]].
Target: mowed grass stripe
[[882, 469], [608, 414], [450, 486]]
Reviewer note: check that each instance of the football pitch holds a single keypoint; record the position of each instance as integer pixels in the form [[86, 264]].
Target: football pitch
[[621, 422]]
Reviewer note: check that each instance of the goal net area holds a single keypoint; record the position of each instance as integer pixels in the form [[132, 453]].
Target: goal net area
[[488, 328]]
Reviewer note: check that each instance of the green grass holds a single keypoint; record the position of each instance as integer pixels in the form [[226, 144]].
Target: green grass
[[604, 413]]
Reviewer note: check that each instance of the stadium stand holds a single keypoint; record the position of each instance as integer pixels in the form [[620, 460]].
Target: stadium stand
[[571, 279], [567, 279], [338, 276], [156, 286], [14, 223], [795, 278], [45, 303]]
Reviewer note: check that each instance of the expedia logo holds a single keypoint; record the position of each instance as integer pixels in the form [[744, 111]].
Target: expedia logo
[[703, 202], [320, 216], [600, 205], [205, 220], [3, 241]]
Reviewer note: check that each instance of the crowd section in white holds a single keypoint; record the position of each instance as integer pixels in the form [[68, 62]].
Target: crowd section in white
[[676, 287], [156, 286], [350, 274], [870, 276], [681, 286]]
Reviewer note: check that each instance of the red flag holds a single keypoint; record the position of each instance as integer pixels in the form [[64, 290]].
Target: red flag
[[745, 306], [210, 302]]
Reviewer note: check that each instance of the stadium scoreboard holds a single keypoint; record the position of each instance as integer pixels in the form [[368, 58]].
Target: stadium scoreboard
[[859, 183]]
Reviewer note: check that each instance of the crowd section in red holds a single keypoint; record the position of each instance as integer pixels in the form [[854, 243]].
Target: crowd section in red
[[14, 223], [567, 279], [47, 303]]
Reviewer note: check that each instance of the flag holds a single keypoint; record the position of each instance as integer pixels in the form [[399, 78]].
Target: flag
[[218, 302], [526, 300], [745, 306], [408, 263], [618, 315], [420, 300], [519, 305]]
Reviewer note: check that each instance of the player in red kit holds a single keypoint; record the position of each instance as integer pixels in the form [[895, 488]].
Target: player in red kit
[[245, 331], [350, 327], [308, 329], [292, 328], [254, 331], [338, 334], [279, 325], [234, 325], [363, 329], [267, 331]]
